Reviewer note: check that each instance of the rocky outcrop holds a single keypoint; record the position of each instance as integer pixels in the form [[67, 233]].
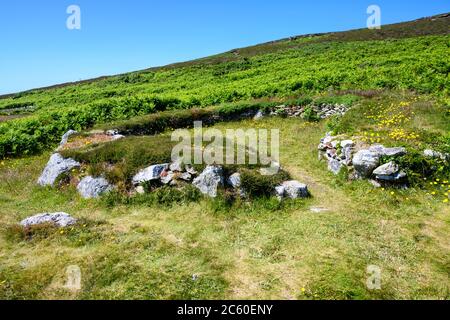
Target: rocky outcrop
[[90, 187], [362, 162], [59, 219], [55, 167], [209, 180]]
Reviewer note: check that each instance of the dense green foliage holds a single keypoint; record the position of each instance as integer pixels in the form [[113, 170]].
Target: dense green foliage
[[419, 64]]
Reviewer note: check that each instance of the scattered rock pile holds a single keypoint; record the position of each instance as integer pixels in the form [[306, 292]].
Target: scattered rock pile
[[362, 162], [174, 174]]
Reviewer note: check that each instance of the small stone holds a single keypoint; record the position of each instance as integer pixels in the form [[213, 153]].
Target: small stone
[[274, 168], [387, 169], [387, 152], [66, 137], [112, 132], [347, 144], [259, 115], [117, 137], [435, 154], [234, 180], [177, 166], [318, 209], [389, 172], [190, 169], [186, 176], [60, 219], [279, 191], [209, 180], [90, 187], [140, 190], [334, 166], [375, 183]]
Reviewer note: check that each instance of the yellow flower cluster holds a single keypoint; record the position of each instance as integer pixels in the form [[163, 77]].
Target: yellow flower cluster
[[390, 120], [402, 134], [440, 187]]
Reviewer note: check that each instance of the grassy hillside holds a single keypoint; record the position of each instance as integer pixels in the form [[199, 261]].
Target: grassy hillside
[[176, 244]]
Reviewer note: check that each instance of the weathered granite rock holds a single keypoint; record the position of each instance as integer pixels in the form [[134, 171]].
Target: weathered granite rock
[[274, 168], [90, 187], [364, 162], [279, 191], [66, 137], [294, 189], [258, 115], [234, 180], [140, 190], [387, 169], [60, 219], [389, 172], [209, 180], [56, 166], [149, 174], [186, 176], [190, 169], [347, 144], [117, 137], [167, 177]]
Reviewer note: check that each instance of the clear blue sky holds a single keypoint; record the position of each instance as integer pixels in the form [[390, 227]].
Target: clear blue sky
[[119, 36]]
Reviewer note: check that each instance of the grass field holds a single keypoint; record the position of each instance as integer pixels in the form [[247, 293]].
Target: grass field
[[397, 85]]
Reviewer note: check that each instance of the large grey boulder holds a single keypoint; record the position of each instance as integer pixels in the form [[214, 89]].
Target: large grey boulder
[[209, 180], [389, 172], [60, 219], [293, 189], [56, 166], [90, 187], [149, 174], [364, 162]]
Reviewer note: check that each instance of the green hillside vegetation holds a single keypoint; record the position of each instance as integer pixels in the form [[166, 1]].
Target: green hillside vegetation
[[299, 66], [174, 243]]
